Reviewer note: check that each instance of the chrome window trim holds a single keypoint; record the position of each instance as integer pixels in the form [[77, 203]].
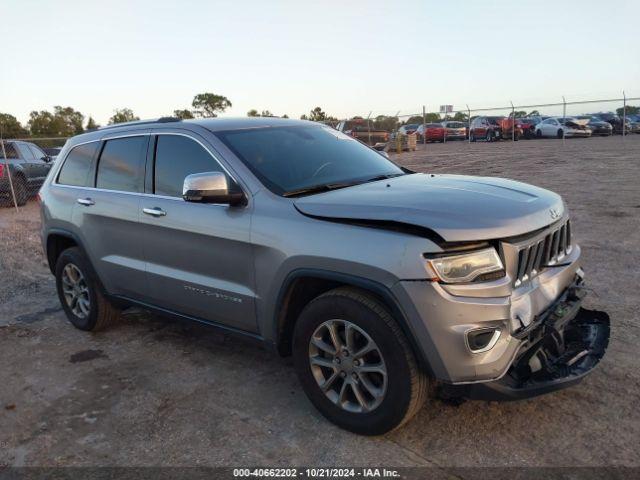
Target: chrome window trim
[[144, 194]]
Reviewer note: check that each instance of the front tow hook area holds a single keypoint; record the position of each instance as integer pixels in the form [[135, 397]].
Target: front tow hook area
[[557, 354]]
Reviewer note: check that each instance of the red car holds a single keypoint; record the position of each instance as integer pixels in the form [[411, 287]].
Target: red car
[[433, 132]]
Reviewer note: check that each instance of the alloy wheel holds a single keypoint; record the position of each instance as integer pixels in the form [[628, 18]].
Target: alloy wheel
[[348, 366], [76, 291]]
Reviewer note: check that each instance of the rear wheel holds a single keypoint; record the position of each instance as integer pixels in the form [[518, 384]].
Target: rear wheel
[[560, 133], [355, 363], [80, 294], [489, 136]]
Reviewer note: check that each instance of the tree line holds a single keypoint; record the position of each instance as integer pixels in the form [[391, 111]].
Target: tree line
[[67, 122]]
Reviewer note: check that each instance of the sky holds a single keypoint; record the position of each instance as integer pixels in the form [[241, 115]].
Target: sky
[[348, 57]]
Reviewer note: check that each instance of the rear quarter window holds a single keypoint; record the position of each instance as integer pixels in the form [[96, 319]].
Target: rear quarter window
[[76, 167]]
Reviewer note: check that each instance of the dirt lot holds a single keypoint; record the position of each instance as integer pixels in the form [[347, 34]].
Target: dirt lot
[[150, 392]]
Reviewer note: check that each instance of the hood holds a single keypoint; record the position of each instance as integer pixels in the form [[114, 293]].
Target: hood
[[456, 207]]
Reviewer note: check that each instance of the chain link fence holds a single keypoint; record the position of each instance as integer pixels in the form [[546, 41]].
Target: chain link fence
[[24, 165], [446, 123]]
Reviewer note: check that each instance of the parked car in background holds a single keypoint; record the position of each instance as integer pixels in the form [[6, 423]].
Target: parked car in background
[[560, 127], [614, 120], [597, 126], [408, 129], [27, 166], [363, 130], [52, 152], [431, 132], [485, 128], [528, 126], [511, 129], [633, 123], [455, 130]]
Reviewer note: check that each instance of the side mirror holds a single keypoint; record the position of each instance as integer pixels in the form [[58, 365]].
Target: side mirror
[[211, 187], [46, 159]]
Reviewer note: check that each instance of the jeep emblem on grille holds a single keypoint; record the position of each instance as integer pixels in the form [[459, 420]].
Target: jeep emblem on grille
[[554, 213]]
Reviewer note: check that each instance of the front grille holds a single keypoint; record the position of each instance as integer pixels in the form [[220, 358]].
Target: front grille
[[533, 258]]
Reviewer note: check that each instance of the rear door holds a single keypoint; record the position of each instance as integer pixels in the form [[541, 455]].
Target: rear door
[[29, 165], [107, 214], [199, 258], [42, 165]]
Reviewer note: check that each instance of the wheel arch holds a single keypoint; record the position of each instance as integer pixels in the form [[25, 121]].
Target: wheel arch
[[303, 285], [57, 241]]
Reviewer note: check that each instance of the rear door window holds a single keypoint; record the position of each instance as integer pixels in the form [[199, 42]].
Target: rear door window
[[77, 165], [121, 164], [37, 153], [25, 152], [176, 157]]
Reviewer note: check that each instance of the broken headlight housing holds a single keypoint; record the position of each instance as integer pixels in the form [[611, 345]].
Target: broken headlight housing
[[466, 267]]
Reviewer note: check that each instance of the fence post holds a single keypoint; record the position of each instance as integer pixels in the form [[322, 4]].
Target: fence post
[[564, 115], [469, 121], [513, 122], [424, 123], [624, 116], [6, 166], [369, 126]]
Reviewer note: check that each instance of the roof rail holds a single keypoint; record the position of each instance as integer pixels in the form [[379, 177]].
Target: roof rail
[[142, 122]]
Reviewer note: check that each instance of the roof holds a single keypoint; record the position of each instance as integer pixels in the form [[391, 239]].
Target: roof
[[215, 124]]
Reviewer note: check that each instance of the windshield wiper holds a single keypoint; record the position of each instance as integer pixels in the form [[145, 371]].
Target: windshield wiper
[[325, 187], [382, 177]]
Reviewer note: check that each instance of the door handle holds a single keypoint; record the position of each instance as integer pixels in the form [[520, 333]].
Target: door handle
[[155, 212], [87, 202]]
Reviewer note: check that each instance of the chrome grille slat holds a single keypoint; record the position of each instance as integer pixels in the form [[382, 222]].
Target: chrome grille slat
[[537, 255]]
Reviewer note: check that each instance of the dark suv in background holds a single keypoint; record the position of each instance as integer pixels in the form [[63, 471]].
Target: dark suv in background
[[27, 166]]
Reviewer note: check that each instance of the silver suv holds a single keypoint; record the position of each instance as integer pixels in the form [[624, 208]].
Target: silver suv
[[384, 284]]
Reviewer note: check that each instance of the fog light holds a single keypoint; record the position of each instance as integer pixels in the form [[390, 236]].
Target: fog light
[[482, 339]]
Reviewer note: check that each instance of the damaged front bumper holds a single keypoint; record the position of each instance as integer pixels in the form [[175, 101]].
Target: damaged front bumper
[[559, 348]]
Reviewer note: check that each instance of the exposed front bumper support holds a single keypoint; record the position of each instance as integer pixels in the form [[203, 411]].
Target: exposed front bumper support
[[559, 349]]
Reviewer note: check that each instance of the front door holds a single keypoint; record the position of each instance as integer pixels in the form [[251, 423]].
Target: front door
[[199, 258]]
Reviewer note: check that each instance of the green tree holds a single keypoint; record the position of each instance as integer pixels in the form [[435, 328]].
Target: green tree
[[71, 120], [518, 114], [304, 117], [534, 113], [461, 117], [63, 122], [285, 116], [206, 105], [266, 113], [384, 122], [121, 115], [184, 114], [91, 124], [429, 118], [631, 110], [317, 115], [10, 127], [253, 113]]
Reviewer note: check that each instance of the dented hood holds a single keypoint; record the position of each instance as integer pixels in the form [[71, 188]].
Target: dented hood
[[455, 207]]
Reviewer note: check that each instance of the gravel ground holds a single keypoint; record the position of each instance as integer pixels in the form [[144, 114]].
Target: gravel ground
[[151, 392]]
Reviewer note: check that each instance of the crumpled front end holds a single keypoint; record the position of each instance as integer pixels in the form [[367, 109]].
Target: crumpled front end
[[519, 335]]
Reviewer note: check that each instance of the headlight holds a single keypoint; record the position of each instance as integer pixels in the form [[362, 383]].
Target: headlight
[[466, 267]]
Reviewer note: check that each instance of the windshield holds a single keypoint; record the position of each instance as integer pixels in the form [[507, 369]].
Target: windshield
[[291, 159]]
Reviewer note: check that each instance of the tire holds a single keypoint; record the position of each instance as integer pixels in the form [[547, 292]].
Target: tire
[[472, 137], [94, 312], [489, 137], [538, 133], [405, 388], [559, 134], [21, 190]]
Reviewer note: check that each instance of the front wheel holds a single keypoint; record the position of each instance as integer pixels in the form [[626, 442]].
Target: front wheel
[[355, 364], [560, 133], [489, 136], [538, 133]]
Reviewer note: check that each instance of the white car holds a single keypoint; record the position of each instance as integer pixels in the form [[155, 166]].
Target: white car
[[563, 127]]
